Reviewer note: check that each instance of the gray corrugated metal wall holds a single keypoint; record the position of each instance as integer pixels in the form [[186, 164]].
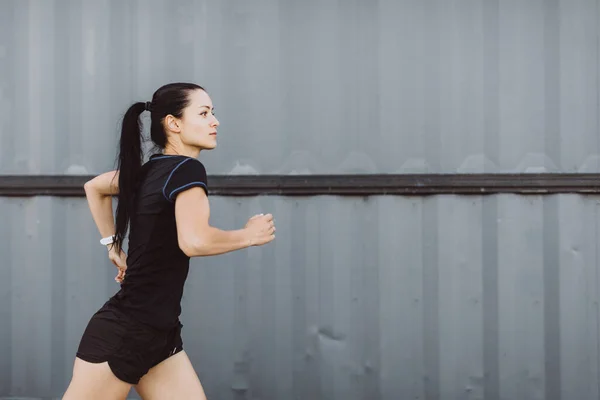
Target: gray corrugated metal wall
[[384, 297], [312, 86], [380, 298]]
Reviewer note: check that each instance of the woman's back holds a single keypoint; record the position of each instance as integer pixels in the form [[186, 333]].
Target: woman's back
[[157, 267]]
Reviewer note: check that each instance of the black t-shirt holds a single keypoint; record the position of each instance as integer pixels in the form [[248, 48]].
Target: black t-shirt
[[156, 267]]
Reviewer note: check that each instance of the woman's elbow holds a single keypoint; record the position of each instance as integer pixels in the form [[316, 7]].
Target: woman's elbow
[[90, 188], [194, 247], [102, 185]]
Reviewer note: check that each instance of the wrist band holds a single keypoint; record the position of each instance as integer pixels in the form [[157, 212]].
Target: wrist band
[[107, 240]]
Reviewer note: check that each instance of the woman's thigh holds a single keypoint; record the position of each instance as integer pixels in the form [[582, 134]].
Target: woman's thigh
[[95, 381], [174, 378]]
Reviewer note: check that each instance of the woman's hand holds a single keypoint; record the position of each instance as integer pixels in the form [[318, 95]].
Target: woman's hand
[[261, 229], [119, 259]]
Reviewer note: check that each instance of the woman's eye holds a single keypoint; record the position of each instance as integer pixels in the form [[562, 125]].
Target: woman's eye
[[204, 114]]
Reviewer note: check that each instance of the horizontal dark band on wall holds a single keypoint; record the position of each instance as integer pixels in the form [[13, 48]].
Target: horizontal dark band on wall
[[342, 185]]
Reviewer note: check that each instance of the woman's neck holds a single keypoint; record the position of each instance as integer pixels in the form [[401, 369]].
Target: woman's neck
[[181, 150]]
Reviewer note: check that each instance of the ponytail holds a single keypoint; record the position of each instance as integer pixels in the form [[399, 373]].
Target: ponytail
[[170, 99], [129, 165]]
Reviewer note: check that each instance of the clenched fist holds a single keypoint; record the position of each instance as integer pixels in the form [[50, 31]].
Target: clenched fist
[[261, 229]]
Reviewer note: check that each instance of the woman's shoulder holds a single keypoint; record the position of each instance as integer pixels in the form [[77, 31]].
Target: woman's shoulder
[[176, 173]]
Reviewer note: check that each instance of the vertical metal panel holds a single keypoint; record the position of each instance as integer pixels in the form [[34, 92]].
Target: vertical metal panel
[[321, 87], [578, 290], [521, 302], [385, 297]]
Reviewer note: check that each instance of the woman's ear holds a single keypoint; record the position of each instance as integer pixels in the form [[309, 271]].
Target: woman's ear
[[172, 124]]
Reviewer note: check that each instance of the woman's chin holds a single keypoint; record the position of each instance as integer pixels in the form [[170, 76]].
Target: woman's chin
[[208, 146]]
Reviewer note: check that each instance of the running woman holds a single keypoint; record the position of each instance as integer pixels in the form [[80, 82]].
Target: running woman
[[134, 339]]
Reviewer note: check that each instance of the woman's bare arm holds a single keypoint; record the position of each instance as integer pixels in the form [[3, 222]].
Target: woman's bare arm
[[99, 192], [197, 238]]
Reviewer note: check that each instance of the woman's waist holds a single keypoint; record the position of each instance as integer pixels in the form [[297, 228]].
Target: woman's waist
[[160, 312]]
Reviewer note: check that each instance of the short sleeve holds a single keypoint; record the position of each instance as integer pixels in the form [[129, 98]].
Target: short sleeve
[[187, 174]]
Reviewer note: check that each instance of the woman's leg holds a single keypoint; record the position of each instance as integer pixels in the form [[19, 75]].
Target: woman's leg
[[95, 381], [174, 378]]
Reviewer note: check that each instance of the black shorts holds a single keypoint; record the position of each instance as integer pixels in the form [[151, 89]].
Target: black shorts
[[130, 347]]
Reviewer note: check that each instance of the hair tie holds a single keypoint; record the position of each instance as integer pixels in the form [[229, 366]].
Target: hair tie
[[148, 106]]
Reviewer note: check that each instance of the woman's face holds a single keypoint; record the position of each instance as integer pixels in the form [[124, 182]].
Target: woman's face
[[198, 124]]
